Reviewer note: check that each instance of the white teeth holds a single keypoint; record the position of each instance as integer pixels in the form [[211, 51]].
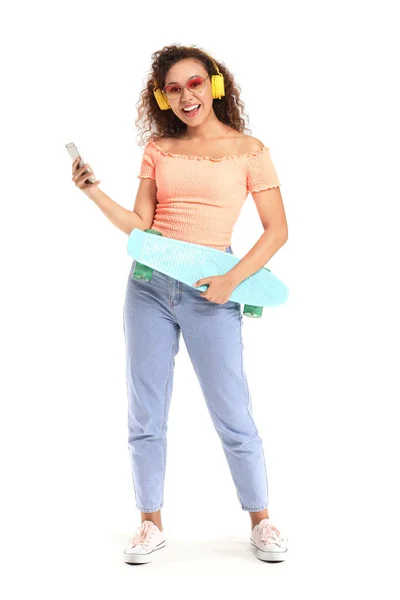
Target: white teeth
[[191, 108]]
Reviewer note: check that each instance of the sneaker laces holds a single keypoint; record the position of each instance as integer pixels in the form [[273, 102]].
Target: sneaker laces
[[270, 534], [141, 533]]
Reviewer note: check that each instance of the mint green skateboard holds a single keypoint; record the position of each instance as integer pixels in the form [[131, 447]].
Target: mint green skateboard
[[189, 262]]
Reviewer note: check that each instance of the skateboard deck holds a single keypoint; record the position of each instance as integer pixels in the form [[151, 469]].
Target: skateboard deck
[[188, 262]]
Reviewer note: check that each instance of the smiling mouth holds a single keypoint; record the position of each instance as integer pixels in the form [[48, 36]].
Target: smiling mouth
[[192, 112]]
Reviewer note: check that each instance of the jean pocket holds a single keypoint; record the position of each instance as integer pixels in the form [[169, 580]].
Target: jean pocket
[[133, 265]]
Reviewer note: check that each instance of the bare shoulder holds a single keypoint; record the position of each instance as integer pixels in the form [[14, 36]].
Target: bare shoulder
[[239, 143], [250, 143], [162, 141]]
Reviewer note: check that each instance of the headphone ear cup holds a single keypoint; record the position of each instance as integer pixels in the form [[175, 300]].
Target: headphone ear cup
[[161, 99], [217, 84]]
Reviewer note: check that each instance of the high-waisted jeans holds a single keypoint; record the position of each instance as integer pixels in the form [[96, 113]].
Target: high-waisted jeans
[[155, 313]]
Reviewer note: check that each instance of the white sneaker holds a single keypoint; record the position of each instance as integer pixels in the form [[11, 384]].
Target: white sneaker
[[269, 543], [147, 539]]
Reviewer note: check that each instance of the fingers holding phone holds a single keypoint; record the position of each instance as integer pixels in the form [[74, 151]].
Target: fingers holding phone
[[80, 176]]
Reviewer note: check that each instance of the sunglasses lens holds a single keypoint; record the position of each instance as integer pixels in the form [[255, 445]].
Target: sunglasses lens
[[172, 91], [194, 85]]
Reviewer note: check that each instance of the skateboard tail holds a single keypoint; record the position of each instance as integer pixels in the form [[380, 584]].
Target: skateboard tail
[[134, 245]]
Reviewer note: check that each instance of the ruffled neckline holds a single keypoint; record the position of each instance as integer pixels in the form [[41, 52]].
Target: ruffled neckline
[[210, 158]]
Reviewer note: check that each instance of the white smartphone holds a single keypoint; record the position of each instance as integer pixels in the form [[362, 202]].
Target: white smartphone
[[73, 152]]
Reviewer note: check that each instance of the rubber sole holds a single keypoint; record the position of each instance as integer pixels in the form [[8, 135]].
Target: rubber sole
[[138, 559], [269, 555]]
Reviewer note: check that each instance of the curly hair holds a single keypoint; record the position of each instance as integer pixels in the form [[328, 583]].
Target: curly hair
[[229, 109]]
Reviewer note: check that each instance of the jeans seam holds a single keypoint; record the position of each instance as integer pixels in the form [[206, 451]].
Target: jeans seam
[[155, 509], [127, 390], [256, 509], [247, 406], [165, 406]]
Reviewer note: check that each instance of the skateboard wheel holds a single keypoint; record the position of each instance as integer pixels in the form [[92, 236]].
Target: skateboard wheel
[[142, 272], [252, 311]]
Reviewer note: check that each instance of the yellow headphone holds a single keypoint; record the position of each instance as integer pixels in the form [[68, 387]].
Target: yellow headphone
[[217, 85]]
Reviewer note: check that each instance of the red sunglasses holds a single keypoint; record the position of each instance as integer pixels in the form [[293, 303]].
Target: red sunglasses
[[194, 84]]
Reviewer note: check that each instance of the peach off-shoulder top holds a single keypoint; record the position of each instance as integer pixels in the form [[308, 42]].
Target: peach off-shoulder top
[[199, 198]]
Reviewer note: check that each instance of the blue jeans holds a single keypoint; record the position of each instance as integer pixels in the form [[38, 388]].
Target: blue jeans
[[155, 313]]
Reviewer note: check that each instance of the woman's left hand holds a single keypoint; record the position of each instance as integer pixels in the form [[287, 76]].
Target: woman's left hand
[[220, 288]]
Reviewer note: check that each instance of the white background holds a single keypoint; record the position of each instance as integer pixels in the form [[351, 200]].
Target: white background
[[319, 85]]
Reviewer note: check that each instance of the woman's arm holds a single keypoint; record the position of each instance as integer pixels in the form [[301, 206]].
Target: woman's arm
[[271, 211], [141, 216]]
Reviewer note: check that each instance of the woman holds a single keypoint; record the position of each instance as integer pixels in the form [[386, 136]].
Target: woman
[[196, 172]]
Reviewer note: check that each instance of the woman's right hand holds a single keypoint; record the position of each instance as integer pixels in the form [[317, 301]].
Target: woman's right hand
[[79, 176]]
